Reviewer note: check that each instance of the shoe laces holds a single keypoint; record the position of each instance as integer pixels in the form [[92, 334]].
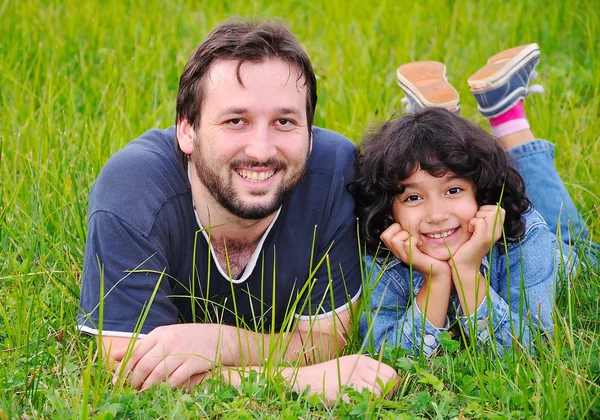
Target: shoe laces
[[536, 88], [408, 106]]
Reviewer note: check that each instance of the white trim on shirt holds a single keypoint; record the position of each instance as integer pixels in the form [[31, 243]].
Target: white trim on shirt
[[253, 259]]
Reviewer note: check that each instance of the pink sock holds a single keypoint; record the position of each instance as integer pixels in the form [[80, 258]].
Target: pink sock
[[510, 122]]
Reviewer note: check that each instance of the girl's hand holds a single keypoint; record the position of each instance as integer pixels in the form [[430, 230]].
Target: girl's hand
[[486, 227], [406, 248]]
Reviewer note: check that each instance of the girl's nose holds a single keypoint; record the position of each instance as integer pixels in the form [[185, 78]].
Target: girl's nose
[[436, 212]]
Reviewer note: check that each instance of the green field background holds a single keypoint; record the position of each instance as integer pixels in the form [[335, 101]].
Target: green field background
[[78, 80]]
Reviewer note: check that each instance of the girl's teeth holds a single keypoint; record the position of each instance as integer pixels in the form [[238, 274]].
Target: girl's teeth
[[441, 235]]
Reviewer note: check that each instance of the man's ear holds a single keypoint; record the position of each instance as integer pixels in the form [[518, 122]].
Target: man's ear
[[311, 136], [185, 136]]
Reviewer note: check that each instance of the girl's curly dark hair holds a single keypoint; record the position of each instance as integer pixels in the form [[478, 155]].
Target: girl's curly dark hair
[[436, 141]]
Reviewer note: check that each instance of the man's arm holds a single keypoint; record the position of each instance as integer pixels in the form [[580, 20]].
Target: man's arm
[[325, 379], [178, 352]]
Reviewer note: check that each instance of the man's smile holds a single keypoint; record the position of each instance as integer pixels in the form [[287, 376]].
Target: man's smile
[[253, 175]]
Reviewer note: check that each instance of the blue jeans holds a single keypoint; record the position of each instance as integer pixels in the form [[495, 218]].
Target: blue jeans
[[545, 189]]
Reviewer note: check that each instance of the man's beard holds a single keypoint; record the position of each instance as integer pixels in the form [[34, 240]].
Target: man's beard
[[225, 194]]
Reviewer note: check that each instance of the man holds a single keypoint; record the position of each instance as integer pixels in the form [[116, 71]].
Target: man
[[236, 224]]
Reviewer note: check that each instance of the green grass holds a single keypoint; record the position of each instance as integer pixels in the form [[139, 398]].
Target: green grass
[[78, 80]]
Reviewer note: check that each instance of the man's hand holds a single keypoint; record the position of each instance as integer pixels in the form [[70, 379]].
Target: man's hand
[[181, 354], [174, 353], [356, 371], [406, 248], [160, 356], [327, 378]]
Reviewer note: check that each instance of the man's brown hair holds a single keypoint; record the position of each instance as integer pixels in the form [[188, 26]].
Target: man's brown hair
[[244, 41]]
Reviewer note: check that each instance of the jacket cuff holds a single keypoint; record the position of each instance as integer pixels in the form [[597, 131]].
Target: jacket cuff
[[482, 322], [419, 331]]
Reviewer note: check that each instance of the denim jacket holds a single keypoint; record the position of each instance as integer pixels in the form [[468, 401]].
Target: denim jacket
[[518, 303]]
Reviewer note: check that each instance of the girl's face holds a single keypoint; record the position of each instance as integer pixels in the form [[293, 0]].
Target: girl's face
[[437, 211]]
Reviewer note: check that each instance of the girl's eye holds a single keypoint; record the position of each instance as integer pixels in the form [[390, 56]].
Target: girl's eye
[[411, 198], [454, 190]]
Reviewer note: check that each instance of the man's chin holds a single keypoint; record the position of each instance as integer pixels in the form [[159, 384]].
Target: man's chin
[[253, 210], [253, 213]]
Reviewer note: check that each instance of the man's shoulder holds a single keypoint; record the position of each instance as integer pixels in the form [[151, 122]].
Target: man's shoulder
[[321, 198], [330, 168], [331, 150], [137, 180], [153, 148]]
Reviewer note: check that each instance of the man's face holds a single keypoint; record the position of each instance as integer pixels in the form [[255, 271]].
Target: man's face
[[253, 143]]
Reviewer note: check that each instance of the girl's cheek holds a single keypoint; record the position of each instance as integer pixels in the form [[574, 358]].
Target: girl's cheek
[[410, 222]]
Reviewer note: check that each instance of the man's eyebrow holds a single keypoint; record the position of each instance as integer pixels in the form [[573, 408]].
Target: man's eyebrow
[[279, 111], [234, 110], [289, 111]]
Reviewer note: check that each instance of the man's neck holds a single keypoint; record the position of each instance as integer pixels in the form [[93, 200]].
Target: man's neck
[[234, 239]]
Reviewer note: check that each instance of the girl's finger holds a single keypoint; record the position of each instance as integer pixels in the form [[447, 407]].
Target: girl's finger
[[389, 233], [392, 229], [480, 227], [471, 226]]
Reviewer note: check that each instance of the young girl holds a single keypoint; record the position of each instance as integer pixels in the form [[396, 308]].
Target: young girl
[[444, 197]]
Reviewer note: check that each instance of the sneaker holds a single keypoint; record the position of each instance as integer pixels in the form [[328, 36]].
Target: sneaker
[[424, 84], [504, 80]]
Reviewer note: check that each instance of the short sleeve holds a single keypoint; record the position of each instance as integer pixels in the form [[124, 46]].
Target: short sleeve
[[132, 270], [336, 283]]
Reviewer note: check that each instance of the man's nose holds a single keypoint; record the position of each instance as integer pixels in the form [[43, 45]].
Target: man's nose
[[261, 144]]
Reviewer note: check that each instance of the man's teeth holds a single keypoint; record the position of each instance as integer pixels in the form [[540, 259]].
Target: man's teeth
[[440, 235], [254, 176]]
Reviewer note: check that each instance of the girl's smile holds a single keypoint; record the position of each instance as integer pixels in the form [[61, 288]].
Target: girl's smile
[[437, 210]]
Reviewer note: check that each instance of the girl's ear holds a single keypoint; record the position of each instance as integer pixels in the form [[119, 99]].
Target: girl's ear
[[185, 136]]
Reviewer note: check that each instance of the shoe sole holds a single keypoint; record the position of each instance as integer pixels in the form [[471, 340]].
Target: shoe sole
[[425, 82], [501, 67]]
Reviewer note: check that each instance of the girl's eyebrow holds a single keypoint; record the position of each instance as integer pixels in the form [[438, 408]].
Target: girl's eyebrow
[[447, 178], [453, 177]]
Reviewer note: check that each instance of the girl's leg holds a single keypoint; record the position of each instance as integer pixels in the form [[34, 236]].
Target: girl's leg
[[500, 88], [534, 159]]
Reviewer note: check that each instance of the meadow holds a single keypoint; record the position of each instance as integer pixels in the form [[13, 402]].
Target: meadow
[[79, 79]]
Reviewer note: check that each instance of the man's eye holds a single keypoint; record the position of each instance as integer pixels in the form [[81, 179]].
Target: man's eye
[[454, 190], [235, 121], [284, 123]]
